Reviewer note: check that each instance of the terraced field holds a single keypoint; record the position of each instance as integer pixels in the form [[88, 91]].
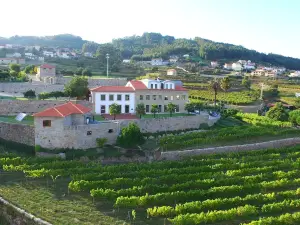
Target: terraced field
[[255, 187]]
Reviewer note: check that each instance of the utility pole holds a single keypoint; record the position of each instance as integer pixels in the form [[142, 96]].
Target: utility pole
[[107, 57], [262, 85]]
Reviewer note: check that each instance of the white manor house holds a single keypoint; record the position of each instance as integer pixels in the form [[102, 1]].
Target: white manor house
[[147, 91]]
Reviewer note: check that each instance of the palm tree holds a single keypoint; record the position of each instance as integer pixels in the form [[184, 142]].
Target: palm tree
[[214, 86], [171, 108], [154, 109], [225, 84], [140, 109]]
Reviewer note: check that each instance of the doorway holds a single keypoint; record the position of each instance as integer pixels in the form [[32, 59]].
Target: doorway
[[126, 108]]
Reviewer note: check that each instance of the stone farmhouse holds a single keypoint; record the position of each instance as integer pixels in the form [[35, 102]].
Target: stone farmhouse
[[46, 73], [147, 91]]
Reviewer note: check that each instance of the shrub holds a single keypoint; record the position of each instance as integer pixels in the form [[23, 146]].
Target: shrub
[[131, 136], [229, 112], [278, 112], [29, 94], [101, 142], [294, 117]]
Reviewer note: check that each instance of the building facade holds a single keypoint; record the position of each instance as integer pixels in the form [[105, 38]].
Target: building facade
[[46, 73], [147, 91]]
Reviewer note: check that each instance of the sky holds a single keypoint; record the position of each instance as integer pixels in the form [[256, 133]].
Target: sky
[[270, 26]]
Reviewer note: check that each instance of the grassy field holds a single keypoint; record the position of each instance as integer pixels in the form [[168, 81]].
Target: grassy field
[[11, 119], [228, 188]]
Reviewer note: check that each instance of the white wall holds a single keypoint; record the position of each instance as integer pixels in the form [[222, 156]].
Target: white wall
[[97, 101]]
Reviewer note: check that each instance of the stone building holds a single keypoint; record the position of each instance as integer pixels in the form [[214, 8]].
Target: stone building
[[46, 73], [147, 91]]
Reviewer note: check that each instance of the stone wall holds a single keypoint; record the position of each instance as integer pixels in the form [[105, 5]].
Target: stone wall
[[171, 123], [84, 136], [14, 107], [77, 137], [20, 133], [20, 88], [96, 82], [16, 216], [177, 155]]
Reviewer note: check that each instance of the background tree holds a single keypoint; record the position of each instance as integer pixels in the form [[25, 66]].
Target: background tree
[[154, 109], [114, 109], [87, 72], [77, 87], [15, 67], [130, 136], [140, 109], [189, 107], [171, 108], [29, 69], [246, 82], [57, 94], [114, 54], [214, 86], [43, 95], [79, 71], [29, 94], [225, 84], [278, 112]]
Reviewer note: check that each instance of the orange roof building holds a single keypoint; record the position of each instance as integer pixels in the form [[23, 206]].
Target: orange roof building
[[63, 110]]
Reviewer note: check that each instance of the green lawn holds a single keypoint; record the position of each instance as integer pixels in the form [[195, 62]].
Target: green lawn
[[11, 119], [98, 117], [165, 115]]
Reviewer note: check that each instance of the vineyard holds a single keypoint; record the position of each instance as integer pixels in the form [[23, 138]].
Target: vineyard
[[253, 188], [255, 128], [241, 97]]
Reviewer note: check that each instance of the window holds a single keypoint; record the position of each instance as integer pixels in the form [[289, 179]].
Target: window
[[46, 123], [177, 108], [183, 97], [147, 108], [126, 97], [166, 97], [111, 97], [159, 108], [119, 97], [110, 130], [165, 108], [89, 133], [177, 97], [172, 97], [102, 109], [102, 97], [147, 97], [141, 97], [166, 86], [151, 86], [154, 97], [159, 97], [155, 86]]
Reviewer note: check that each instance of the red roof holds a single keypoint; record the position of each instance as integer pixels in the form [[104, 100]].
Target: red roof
[[112, 89], [63, 110], [47, 66], [180, 88], [138, 85]]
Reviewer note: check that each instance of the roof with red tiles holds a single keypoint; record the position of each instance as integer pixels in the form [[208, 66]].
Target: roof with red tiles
[[63, 110], [112, 89], [47, 66], [138, 85]]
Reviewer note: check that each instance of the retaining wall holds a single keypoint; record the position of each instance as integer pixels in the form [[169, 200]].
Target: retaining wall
[[19, 133], [177, 155], [20, 88], [16, 216]]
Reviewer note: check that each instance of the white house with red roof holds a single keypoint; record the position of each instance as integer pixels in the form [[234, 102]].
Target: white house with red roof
[[146, 91], [171, 72]]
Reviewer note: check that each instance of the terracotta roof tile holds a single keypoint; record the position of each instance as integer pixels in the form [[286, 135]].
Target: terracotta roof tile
[[138, 85], [47, 66], [112, 89], [63, 110]]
